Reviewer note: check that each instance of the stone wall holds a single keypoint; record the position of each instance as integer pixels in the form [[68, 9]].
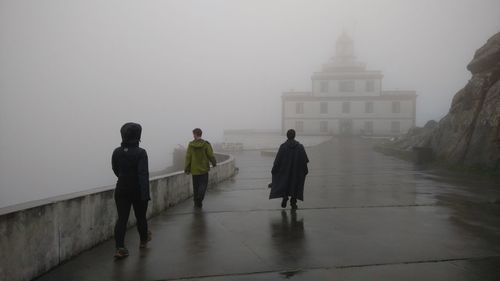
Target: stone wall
[[37, 236]]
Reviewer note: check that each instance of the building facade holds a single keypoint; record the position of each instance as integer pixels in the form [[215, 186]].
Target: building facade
[[347, 99]]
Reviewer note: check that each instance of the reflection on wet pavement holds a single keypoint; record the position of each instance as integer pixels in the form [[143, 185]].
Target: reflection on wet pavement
[[366, 216]]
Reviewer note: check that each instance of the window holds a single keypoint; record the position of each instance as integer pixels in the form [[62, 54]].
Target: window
[[299, 108], [368, 127], [323, 87], [299, 126], [346, 107], [396, 107], [370, 86], [369, 107], [323, 126], [323, 107], [395, 127], [346, 86]]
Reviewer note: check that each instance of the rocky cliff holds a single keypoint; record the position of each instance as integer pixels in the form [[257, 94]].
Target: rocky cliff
[[470, 133]]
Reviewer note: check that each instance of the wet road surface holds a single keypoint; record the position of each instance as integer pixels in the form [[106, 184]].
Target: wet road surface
[[366, 216]]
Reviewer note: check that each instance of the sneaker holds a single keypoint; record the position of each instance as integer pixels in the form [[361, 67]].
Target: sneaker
[[121, 253], [293, 204], [144, 244], [198, 204]]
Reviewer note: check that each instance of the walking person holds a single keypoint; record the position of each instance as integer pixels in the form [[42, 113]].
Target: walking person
[[199, 155], [289, 171], [130, 165]]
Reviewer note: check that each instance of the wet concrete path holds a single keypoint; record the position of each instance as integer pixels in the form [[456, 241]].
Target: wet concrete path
[[366, 216]]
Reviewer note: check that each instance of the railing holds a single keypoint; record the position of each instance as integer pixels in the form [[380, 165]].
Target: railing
[[39, 235]]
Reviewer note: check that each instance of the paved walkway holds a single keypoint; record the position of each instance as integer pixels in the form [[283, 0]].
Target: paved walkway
[[366, 216]]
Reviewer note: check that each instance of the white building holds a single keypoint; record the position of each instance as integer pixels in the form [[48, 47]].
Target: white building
[[347, 99]]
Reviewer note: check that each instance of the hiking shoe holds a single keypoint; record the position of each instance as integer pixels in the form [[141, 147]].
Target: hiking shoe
[[294, 206], [144, 244], [121, 253], [283, 202], [198, 204]]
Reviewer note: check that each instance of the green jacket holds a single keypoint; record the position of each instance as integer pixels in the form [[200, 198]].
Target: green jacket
[[198, 156]]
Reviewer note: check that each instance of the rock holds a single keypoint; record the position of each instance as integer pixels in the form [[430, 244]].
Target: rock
[[431, 124], [470, 133], [487, 56]]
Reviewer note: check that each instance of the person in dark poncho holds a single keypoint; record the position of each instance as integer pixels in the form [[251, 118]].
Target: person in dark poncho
[[130, 165], [289, 171]]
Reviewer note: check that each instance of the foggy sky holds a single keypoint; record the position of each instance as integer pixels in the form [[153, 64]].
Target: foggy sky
[[72, 72]]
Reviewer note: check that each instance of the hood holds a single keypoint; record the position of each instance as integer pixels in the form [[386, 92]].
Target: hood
[[197, 143], [292, 143], [131, 134]]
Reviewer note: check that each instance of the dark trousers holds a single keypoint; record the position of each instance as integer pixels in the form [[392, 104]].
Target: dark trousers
[[123, 204], [200, 183]]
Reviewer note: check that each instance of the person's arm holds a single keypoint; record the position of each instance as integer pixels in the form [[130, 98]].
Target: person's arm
[[210, 154], [143, 174], [114, 163], [187, 162]]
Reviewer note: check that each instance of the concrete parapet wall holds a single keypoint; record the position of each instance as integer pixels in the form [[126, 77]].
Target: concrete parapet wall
[[37, 236]]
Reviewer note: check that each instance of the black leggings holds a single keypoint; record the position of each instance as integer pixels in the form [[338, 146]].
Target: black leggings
[[123, 205]]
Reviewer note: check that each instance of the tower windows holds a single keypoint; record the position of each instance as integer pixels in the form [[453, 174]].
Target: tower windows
[[369, 107], [370, 86], [323, 87], [323, 126], [323, 107], [346, 107], [368, 128], [299, 126], [396, 107], [299, 108], [346, 86]]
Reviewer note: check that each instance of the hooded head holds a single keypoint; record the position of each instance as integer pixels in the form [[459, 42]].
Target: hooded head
[[290, 135], [131, 134]]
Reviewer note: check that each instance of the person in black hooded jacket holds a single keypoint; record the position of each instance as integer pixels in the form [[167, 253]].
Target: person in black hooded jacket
[[289, 171], [130, 165]]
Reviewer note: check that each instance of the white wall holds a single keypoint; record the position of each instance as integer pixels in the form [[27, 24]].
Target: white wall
[[380, 126], [36, 236], [381, 109], [333, 88]]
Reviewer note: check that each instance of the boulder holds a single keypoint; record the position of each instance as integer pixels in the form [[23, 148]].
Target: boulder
[[430, 125], [487, 56], [470, 133]]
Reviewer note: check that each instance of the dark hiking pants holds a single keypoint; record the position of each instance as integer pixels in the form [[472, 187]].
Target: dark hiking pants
[[200, 183], [123, 205], [292, 199]]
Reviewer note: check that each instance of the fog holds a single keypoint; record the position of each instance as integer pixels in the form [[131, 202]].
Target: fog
[[72, 72]]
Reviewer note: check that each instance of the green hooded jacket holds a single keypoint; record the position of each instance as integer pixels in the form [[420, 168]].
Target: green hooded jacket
[[198, 156]]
